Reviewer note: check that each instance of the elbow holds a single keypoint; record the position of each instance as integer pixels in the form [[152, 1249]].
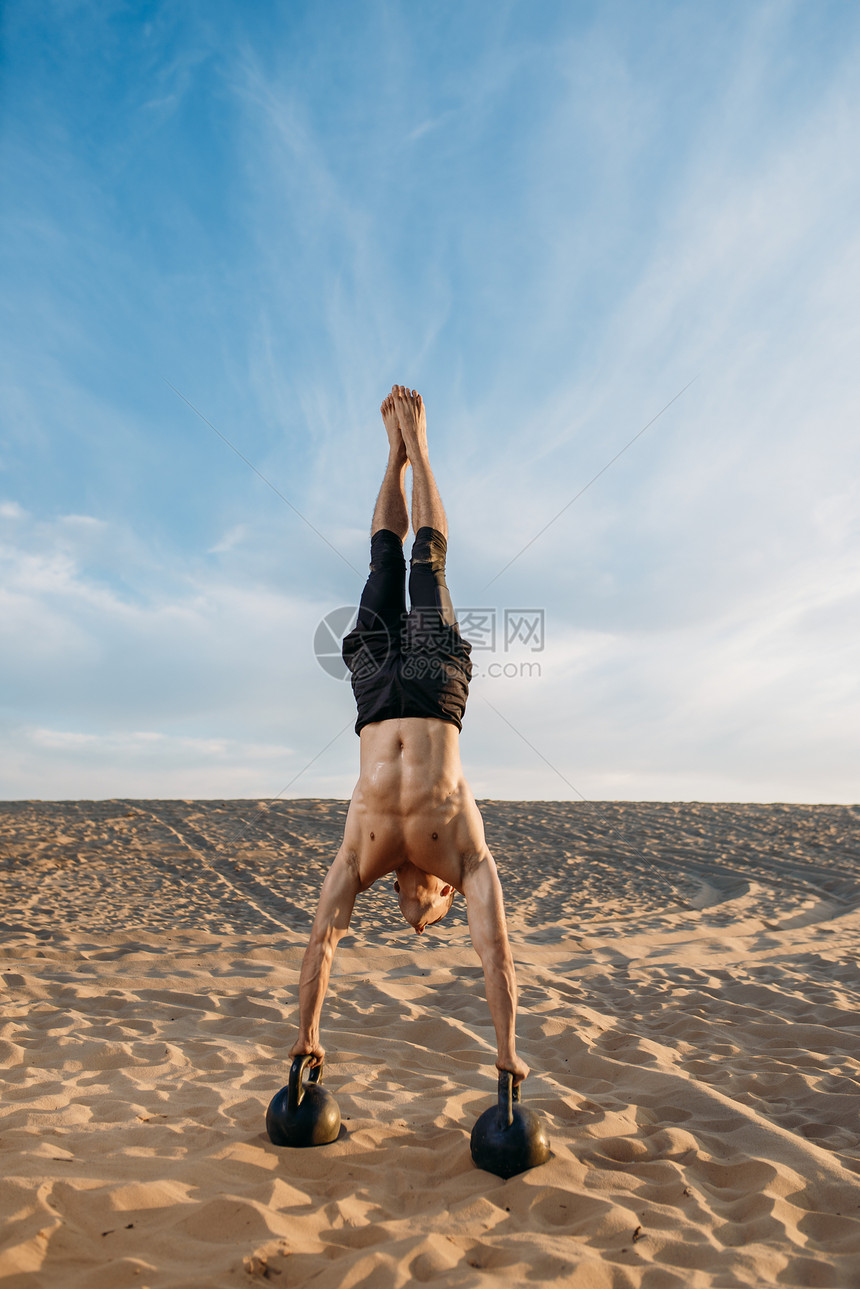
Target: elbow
[[495, 954], [323, 943]]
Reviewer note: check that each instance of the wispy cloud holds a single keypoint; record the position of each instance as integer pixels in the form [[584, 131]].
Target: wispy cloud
[[231, 538]]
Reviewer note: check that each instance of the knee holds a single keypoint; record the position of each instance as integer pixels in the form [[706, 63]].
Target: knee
[[386, 551], [430, 547]]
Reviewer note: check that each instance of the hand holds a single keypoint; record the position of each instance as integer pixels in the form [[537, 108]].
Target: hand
[[303, 1048], [518, 1068]]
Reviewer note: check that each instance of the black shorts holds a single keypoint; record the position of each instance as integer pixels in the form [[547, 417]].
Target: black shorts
[[412, 663]]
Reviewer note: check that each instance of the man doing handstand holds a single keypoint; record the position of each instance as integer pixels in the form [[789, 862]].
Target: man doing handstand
[[412, 812]]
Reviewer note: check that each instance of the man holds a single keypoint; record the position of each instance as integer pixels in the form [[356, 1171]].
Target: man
[[412, 812]]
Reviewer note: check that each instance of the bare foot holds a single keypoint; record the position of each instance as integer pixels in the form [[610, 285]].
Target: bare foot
[[412, 420], [390, 420]]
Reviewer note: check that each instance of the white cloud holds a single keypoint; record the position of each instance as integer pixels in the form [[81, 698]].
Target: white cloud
[[41, 762], [231, 538], [119, 678], [762, 702], [129, 745]]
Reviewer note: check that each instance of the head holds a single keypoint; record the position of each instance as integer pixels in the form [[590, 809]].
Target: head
[[423, 899]]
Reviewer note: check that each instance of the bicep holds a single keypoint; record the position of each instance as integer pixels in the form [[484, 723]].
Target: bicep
[[486, 909]]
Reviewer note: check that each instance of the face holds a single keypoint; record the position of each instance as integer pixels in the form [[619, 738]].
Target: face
[[423, 899]]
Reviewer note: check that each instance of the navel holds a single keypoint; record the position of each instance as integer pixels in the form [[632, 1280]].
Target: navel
[[371, 836], [435, 836]]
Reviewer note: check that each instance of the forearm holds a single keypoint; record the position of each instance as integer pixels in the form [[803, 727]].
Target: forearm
[[501, 985], [313, 984]]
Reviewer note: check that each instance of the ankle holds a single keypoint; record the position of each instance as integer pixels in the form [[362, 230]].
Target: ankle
[[418, 456]]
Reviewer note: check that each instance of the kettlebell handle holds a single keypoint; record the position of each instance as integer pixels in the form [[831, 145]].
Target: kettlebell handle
[[297, 1069], [509, 1096]]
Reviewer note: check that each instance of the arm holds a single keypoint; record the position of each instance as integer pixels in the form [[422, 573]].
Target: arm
[[483, 892], [337, 898]]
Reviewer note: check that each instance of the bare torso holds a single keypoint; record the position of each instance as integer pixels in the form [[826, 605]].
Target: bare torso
[[412, 802]]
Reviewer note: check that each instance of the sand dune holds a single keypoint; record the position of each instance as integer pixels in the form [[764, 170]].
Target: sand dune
[[689, 1007]]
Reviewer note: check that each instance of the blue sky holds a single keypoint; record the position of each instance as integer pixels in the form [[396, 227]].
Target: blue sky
[[550, 218]]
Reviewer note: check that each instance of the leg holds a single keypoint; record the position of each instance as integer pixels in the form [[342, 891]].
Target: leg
[[383, 601], [427, 508], [427, 586], [390, 510]]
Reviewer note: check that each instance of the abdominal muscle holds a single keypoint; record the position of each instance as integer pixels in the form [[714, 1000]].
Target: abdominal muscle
[[412, 801]]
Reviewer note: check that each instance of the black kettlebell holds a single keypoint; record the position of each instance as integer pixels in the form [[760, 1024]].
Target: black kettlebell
[[507, 1139], [303, 1116]]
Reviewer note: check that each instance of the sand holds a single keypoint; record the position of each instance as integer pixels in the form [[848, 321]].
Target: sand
[[689, 1007]]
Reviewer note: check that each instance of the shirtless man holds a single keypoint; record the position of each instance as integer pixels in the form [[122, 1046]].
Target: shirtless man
[[412, 812]]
